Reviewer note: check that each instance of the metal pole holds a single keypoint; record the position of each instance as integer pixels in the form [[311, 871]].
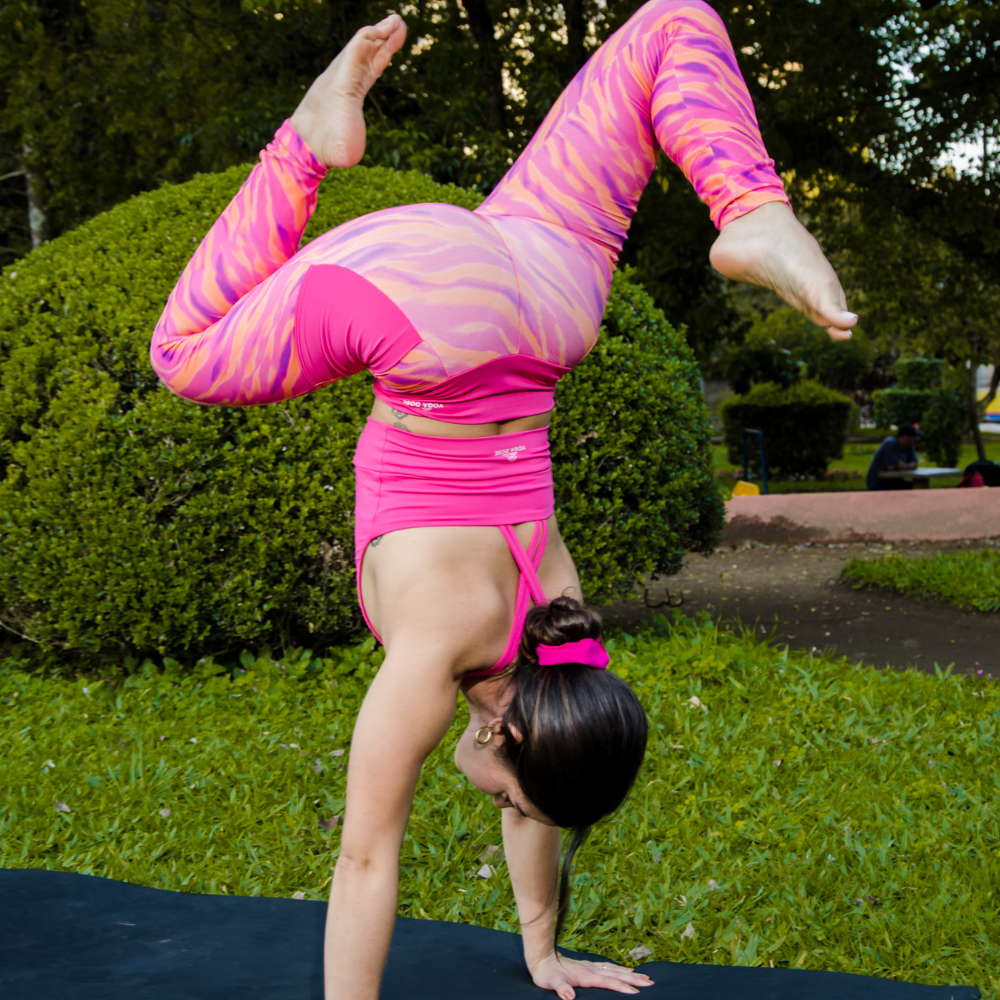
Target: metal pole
[[763, 464]]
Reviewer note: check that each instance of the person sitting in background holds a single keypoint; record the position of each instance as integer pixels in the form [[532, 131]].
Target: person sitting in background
[[895, 454]]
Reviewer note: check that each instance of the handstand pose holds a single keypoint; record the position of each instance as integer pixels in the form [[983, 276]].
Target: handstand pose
[[467, 320]]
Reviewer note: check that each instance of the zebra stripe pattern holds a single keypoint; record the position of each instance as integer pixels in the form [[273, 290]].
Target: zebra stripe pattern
[[527, 273]]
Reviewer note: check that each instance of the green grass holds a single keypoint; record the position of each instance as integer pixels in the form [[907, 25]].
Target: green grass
[[792, 810], [857, 458], [970, 579]]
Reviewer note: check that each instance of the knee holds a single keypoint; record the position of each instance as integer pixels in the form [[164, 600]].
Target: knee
[[693, 14]]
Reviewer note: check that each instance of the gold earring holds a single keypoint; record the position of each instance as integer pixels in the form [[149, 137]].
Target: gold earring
[[479, 735]]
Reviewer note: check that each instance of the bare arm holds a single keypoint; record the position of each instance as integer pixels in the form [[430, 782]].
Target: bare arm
[[404, 716], [532, 853]]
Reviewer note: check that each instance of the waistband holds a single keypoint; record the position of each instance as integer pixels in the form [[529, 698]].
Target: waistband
[[505, 388], [407, 480]]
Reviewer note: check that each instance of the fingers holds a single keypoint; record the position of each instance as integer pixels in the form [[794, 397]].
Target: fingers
[[618, 978], [592, 975]]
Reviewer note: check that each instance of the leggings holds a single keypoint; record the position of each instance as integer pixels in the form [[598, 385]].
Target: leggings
[[434, 299]]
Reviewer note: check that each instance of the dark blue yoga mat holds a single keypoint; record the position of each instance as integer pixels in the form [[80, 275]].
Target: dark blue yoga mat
[[74, 937]]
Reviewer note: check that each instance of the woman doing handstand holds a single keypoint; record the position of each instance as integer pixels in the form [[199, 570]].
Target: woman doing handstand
[[467, 320]]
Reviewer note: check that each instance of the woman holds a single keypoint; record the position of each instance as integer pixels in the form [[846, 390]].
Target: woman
[[467, 320]]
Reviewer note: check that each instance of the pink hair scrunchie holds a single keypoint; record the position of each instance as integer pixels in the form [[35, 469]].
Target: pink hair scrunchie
[[588, 652]]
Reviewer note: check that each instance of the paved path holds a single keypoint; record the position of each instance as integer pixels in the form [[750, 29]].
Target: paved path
[[791, 593]]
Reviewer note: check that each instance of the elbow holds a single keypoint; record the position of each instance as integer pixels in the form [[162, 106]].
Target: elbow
[[363, 862]]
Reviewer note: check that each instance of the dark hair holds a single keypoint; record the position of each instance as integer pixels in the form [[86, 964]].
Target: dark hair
[[582, 731], [906, 430]]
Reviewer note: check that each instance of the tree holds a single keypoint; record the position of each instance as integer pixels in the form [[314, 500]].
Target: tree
[[785, 346], [858, 101], [919, 295]]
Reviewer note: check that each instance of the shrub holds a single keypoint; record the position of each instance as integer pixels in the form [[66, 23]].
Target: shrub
[[785, 347], [892, 407], [919, 373], [804, 426], [932, 396], [132, 521], [945, 423]]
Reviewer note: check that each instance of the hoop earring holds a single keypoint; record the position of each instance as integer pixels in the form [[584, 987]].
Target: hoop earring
[[479, 735]]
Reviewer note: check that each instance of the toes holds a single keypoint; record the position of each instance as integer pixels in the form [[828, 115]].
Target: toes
[[837, 334], [391, 29], [838, 324]]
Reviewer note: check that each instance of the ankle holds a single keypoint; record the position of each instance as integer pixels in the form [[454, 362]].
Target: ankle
[[751, 201]]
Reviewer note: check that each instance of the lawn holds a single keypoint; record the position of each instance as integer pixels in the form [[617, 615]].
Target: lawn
[[857, 458], [793, 810], [969, 579]]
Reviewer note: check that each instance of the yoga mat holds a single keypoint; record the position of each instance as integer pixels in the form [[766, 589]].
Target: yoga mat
[[76, 937]]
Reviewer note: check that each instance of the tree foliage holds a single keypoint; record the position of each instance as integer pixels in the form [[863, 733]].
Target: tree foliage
[[859, 102], [784, 347]]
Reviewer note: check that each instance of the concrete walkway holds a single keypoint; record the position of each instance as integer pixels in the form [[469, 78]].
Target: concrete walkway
[[792, 595]]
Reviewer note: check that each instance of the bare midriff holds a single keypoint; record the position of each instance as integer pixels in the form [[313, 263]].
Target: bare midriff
[[386, 414]]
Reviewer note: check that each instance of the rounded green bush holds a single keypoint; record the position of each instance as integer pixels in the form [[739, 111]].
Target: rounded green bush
[[804, 426], [132, 521]]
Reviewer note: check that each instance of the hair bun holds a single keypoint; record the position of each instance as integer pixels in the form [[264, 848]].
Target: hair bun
[[564, 619]]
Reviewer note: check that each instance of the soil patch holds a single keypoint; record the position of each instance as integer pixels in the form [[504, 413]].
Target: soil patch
[[791, 594]]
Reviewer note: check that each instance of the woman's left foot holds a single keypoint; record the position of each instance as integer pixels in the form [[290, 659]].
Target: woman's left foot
[[769, 247], [330, 118]]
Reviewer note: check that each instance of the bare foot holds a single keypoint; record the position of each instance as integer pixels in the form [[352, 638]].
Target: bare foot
[[771, 248], [329, 118]]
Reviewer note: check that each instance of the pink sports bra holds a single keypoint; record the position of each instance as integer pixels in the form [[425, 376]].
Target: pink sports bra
[[528, 588]]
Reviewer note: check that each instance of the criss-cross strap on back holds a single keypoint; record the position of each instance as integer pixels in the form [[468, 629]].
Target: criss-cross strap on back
[[528, 562], [528, 589]]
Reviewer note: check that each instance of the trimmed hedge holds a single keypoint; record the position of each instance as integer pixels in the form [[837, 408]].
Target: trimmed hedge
[[133, 522], [804, 426], [932, 396]]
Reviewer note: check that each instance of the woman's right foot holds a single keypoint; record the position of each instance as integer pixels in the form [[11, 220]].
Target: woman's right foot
[[330, 118], [770, 248]]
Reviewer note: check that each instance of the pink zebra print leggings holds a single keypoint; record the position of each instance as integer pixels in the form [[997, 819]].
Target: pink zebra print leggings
[[466, 316]]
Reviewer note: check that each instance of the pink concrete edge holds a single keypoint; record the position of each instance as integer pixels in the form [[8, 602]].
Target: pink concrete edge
[[889, 516]]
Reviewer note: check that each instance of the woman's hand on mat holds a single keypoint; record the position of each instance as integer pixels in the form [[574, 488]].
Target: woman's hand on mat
[[561, 974]]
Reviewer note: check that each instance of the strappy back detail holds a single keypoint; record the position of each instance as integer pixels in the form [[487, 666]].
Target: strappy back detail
[[528, 562], [528, 589]]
